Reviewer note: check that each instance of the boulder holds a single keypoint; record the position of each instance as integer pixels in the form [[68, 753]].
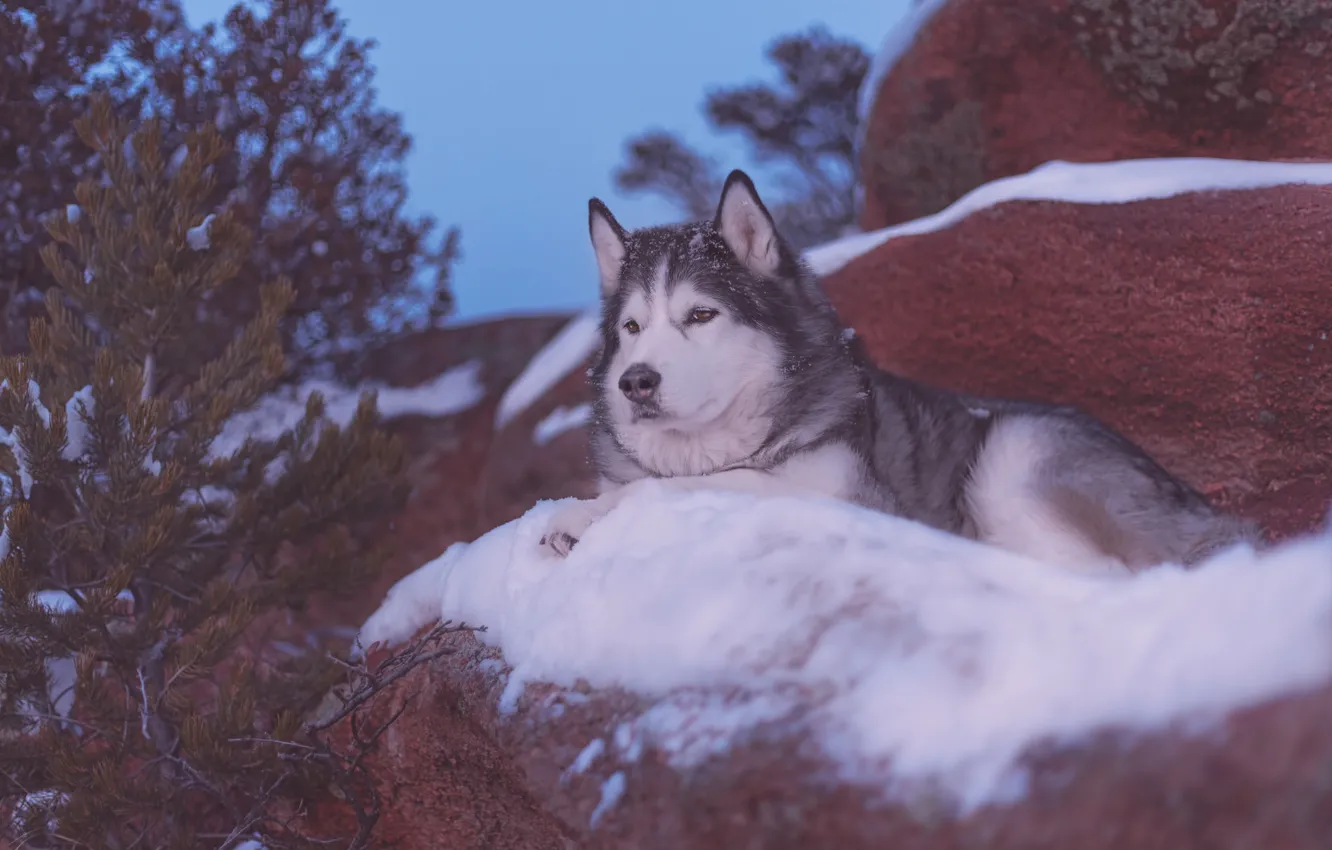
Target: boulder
[[974, 90], [462, 776], [755, 680], [1199, 325]]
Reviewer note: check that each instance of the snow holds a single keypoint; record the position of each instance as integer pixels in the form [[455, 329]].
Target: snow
[[611, 792], [10, 437], [559, 420], [35, 395], [1118, 182], [909, 655], [567, 351], [896, 43], [76, 427], [319, 248], [197, 237], [590, 754], [450, 392], [38, 804], [628, 743], [61, 672], [73, 213], [178, 158]]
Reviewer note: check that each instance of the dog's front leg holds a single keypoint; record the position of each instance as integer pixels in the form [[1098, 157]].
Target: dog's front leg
[[571, 521]]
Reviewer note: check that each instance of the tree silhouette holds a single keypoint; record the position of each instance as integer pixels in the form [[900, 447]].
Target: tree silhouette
[[315, 170], [803, 128]]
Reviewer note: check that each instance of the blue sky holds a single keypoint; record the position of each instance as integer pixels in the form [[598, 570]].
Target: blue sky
[[519, 111]]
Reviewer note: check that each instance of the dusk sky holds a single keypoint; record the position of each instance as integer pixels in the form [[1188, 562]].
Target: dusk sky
[[519, 112]]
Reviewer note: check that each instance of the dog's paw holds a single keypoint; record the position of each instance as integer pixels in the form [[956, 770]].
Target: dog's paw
[[559, 542], [567, 526]]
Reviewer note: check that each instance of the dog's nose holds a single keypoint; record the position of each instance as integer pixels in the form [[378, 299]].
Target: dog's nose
[[639, 382]]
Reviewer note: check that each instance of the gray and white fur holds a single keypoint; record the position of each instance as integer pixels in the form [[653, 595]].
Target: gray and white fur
[[724, 366]]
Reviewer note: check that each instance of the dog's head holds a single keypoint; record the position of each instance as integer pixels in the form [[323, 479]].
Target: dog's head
[[695, 323]]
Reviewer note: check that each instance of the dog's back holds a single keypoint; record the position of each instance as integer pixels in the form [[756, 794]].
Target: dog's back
[[1048, 481]]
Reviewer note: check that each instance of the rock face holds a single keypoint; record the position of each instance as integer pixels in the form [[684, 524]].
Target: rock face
[[1200, 326], [519, 470], [992, 88], [461, 776]]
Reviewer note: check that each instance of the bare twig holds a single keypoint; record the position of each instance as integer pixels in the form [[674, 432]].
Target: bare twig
[[392, 669]]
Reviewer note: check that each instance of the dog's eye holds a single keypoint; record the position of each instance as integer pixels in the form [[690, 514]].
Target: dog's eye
[[632, 327], [699, 315]]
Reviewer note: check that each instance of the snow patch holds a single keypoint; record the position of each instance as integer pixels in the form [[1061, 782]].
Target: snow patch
[[10, 437], [39, 804], [61, 672], [78, 410], [178, 158], [896, 43], [35, 395], [909, 655], [451, 392], [1119, 182], [197, 237], [611, 792], [571, 347], [561, 419], [590, 754], [628, 742]]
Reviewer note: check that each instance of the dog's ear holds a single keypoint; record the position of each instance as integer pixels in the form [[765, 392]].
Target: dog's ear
[[747, 227], [608, 242]]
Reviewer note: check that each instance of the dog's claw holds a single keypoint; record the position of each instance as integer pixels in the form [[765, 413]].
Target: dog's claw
[[559, 542], [563, 543]]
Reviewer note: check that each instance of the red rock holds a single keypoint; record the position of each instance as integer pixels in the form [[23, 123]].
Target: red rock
[[461, 775], [1200, 326], [518, 471], [444, 778], [992, 88]]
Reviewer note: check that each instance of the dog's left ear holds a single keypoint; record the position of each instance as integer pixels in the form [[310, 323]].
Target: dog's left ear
[[747, 227]]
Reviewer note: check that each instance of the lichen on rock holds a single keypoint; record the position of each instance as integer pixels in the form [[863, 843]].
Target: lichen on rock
[[1156, 51]]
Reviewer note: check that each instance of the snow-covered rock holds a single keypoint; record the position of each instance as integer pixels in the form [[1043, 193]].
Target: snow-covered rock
[[964, 92], [1118, 182], [908, 664], [906, 653], [450, 392], [569, 350]]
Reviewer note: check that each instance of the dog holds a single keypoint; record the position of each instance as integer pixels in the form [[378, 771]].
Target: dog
[[724, 366]]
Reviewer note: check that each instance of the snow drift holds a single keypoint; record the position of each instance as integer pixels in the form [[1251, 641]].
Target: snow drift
[[907, 654]]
